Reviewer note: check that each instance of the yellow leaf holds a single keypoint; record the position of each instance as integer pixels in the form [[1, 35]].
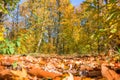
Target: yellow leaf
[[1, 37], [110, 36], [109, 6], [1, 34], [3, 29]]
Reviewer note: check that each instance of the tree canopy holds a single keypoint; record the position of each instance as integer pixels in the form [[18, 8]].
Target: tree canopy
[[56, 26]]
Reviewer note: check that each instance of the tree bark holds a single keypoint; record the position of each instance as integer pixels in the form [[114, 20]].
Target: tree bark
[[58, 26]]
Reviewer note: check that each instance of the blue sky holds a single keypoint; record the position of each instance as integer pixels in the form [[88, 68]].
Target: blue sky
[[76, 2]]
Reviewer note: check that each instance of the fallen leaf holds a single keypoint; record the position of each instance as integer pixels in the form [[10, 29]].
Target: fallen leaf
[[5, 75], [108, 73], [41, 73], [19, 74], [77, 78]]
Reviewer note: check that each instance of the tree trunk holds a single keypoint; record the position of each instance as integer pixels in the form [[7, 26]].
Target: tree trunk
[[41, 35], [1, 16], [57, 26]]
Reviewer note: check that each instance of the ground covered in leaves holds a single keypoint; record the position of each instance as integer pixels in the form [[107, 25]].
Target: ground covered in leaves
[[101, 67]]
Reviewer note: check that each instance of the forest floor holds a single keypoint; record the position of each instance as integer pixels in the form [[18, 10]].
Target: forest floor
[[26, 67]]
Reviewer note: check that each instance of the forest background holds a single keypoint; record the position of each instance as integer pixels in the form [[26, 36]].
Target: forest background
[[56, 26]]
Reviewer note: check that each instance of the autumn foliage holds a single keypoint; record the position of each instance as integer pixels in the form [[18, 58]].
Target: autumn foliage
[[56, 40], [56, 26]]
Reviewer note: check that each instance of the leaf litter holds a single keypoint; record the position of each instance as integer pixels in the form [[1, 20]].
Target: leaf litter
[[101, 67]]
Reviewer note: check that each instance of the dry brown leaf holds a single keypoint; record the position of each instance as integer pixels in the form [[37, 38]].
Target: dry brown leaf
[[57, 78], [77, 78], [41, 73], [5, 75], [19, 74], [108, 73], [1, 67]]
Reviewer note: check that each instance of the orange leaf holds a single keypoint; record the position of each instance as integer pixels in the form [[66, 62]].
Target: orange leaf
[[41, 73], [20, 74]]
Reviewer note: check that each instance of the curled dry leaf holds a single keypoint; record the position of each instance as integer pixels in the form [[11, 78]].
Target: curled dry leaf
[[41, 73], [108, 73]]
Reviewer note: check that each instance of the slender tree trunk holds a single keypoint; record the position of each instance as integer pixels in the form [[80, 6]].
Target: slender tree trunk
[[1, 16], [41, 35], [49, 35], [39, 42], [98, 9], [58, 26], [17, 27]]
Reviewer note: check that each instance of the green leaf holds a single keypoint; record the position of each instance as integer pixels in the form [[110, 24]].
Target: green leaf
[[2, 45], [7, 51], [102, 30], [113, 30], [17, 43], [88, 46], [1, 8], [92, 36], [4, 51], [14, 65], [7, 41], [112, 1], [110, 17], [119, 50], [11, 50], [4, 10], [10, 45]]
